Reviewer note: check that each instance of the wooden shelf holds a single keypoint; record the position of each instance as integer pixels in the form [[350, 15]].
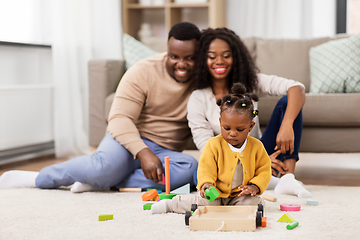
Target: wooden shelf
[[139, 6], [171, 13], [194, 5]]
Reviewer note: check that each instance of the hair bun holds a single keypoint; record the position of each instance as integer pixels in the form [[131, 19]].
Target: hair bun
[[238, 89]]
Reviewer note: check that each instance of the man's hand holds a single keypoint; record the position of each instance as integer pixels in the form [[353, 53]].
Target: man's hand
[[248, 189], [203, 187], [277, 164], [150, 164]]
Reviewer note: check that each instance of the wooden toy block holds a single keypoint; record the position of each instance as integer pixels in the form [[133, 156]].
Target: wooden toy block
[[147, 206], [292, 225], [149, 195], [311, 202], [269, 198], [167, 196], [290, 207], [162, 182], [105, 217], [158, 190], [211, 194], [225, 218], [167, 175], [130, 189], [263, 221], [155, 198], [286, 218], [182, 190]]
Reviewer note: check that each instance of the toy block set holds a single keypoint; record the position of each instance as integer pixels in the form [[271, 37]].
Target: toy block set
[[225, 218], [218, 218], [157, 195]]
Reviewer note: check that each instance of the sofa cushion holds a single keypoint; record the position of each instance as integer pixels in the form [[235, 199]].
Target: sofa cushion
[[135, 51], [334, 64], [320, 110], [108, 102], [286, 58]]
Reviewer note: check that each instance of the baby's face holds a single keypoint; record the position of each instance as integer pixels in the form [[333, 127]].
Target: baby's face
[[235, 127]]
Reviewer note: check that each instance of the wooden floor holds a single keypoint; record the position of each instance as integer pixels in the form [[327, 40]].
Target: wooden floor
[[35, 164], [313, 168]]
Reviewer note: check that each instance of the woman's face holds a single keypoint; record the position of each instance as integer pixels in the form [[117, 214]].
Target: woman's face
[[219, 59]]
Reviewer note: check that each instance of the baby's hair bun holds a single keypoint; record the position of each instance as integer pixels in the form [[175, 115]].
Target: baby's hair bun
[[238, 89], [219, 102], [254, 97]]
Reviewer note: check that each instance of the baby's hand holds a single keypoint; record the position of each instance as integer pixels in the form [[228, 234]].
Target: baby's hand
[[205, 186], [248, 189]]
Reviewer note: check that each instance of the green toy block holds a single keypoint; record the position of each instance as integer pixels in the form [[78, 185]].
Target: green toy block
[[292, 225], [105, 217], [286, 218], [158, 190], [167, 196], [211, 194], [147, 206]]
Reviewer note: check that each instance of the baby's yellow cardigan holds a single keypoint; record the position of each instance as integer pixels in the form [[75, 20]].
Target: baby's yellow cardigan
[[218, 163]]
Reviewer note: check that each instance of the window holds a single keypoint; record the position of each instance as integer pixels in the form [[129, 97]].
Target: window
[[348, 16], [353, 16], [25, 21]]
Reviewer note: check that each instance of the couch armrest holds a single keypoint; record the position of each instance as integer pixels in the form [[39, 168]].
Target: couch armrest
[[104, 76]]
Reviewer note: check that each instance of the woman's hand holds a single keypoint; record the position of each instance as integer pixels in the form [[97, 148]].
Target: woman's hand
[[277, 164], [285, 138], [248, 189], [203, 187], [150, 164]]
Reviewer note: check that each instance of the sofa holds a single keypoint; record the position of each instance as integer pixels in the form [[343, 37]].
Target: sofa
[[331, 121]]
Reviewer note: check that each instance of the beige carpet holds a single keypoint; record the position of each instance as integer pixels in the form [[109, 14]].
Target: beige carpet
[[60, 214]]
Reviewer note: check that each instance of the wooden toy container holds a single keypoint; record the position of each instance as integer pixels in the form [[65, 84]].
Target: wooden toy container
[[225, 218]]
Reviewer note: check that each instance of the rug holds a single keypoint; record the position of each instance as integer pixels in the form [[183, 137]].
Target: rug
[[60, 214]]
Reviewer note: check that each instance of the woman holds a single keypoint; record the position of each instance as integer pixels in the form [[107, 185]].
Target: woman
[[221, 60]]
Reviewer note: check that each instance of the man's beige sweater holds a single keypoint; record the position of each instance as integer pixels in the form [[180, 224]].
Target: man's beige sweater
[[150, 103]]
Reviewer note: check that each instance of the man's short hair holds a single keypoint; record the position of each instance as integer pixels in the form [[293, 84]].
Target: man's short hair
[[184, 31]]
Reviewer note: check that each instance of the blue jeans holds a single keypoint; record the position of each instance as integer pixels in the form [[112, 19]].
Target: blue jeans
[[112, 165], [269, 135], [272, 128]]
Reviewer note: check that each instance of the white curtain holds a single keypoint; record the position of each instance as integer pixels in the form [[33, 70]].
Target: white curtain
[[294, 19], [81, 30]]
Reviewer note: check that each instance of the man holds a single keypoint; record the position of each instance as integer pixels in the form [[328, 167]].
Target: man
[[147, 122]]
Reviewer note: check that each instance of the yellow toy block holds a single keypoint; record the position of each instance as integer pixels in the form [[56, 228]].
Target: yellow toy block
[[286, 218], [105, 217]]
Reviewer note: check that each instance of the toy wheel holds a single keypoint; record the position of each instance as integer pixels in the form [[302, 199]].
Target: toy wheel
[[193, 207], [187, 217], [261, 208], [258, 218]]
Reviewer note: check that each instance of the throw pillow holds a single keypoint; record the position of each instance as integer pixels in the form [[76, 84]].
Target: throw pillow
[[135, 51], [352, 85], [334, 65]]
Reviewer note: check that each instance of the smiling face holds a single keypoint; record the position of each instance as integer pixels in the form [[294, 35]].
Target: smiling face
[[219, 59], [180, 59], [235, 127]]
